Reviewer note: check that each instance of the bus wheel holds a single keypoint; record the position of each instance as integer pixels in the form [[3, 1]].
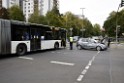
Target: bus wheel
[[21, 49], [56, 46]]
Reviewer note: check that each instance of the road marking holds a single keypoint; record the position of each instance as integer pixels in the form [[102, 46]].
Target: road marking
[[84, 72], [27, 58], [90, 63], [52, 52], [62, 63], [98, 52], [80, 77], [87, 67]]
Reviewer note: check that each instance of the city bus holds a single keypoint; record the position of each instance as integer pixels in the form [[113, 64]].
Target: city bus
[[17, 37]]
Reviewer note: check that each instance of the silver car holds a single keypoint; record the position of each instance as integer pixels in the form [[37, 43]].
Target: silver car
[[88, 43]]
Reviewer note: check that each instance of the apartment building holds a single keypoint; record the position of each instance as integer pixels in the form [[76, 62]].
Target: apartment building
[[9, 3], [0, 4], [47, 6], [28, 8]]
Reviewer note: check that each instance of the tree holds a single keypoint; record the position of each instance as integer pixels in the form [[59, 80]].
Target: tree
[[88, 28], [15, 13], [36, 18], [97, 30], [4, 13], [110, 24]]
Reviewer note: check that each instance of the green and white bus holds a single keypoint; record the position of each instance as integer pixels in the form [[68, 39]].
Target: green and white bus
[[17, 37]]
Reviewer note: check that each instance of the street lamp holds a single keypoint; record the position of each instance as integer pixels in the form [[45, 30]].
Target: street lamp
[[117, 26], [71, 31], [83, 18], [82, 12], [82, 30]]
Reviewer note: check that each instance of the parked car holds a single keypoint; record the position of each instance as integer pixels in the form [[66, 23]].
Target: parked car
[[88, 43]]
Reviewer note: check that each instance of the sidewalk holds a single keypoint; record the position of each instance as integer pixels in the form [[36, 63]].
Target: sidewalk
[[117, 45]]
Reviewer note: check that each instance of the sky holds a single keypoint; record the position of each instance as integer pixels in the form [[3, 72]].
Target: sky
[[96, 11]]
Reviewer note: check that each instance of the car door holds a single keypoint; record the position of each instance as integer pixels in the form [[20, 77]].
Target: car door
[[85, 43], [91, 44]]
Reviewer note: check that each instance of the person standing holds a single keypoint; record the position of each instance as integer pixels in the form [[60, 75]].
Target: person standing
[[109, 40], [63, 43], [71, 43]]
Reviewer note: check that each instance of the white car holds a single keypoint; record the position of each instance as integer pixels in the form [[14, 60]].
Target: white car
[[87, 43]]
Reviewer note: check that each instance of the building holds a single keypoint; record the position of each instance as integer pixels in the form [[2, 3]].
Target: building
[[47, 5], [40, 6], [0, 4], [28, 8], [9, 3]]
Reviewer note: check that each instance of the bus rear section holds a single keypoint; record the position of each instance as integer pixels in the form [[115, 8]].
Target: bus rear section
[[5, 37]]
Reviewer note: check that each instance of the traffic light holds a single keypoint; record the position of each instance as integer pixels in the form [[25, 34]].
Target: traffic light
[[122, 3]]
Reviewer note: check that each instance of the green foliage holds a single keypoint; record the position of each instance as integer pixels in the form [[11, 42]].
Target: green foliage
[[36, 18], [4, 13], [15, 13], [96, 30], [88, 28], [53, 19], [73, 21], [110, 23]]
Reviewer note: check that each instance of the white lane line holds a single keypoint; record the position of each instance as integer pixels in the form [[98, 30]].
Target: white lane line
[[52, 52], [98, 52], [62, 63], [27, 58], [84, 72], [87, 67], [80, 77], [90, 63]]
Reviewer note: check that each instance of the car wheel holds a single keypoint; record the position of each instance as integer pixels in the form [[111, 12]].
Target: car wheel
[[98, 48], [79, 47]]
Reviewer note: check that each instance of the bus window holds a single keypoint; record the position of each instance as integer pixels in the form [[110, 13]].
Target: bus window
[[20, 33], [48, 35]]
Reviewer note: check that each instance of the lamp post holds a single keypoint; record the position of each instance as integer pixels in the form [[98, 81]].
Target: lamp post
[[71, 32], [82, 30], [83, 18], [82, 12], [117, 26]]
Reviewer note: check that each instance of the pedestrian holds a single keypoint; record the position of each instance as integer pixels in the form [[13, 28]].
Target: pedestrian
[[109, 40], [71, 43], [63, 43]]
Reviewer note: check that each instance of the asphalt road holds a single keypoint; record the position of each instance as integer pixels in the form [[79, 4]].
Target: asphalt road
[[65, 66]]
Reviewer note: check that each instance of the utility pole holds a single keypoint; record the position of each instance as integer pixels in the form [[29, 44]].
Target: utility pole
[[82, 12], [83, 18], [117, 26]]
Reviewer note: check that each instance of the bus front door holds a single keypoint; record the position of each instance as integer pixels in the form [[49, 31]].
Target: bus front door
[[35, 39]]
